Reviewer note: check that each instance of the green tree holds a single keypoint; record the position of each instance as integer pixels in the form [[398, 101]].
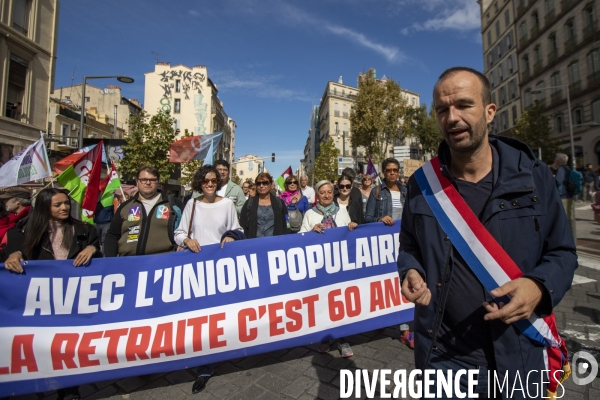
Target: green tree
[[188, 169], [326, 163], [376, 115], [234, 177], [423, 127], [149, 143], [533, 128]]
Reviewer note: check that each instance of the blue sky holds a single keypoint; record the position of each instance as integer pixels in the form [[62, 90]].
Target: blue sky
[[270, 59]]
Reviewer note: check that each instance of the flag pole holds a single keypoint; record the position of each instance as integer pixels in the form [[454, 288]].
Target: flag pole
[[46, 156]]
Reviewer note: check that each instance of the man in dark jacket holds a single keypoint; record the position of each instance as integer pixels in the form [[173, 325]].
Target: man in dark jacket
[[457, 324], [145, 223], [589, 177]]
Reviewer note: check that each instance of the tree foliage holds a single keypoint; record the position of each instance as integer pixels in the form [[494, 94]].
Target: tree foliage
[[533, 128], [376, 115], [423, 127], [148, 144], [326, 163], [188, 169]]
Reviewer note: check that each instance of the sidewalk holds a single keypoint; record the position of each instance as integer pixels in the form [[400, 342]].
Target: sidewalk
[[304, 373]]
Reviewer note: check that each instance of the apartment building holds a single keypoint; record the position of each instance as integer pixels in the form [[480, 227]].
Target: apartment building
[[28, 36], [192, 99]]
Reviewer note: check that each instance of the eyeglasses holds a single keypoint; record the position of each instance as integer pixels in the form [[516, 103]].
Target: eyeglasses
[[148, 180], [392, 170], [342, 187], [292, 183], [263, 183], [211, 181]]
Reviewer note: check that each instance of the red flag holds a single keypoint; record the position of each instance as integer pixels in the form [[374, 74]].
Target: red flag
[[69, 160], [185, 150], [88, 206]]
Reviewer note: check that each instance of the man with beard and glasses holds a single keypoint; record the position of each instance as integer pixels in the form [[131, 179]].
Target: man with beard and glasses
[[509, 198]]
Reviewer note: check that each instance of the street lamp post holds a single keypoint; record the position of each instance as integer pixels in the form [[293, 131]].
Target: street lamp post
[[120, 78]]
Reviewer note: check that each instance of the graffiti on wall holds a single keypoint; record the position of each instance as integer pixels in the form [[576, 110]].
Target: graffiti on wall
[[177, 81]]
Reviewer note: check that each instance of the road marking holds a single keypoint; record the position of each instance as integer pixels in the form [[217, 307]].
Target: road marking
[[588, 262], [580, 280]]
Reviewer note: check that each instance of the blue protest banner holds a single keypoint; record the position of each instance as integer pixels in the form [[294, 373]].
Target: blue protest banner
[[64, 326]]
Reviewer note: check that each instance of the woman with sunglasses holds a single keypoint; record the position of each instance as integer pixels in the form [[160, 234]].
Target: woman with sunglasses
[[264, 215], [387, 200], [345, 201], [207, 219], [365, 190], [295, 201]]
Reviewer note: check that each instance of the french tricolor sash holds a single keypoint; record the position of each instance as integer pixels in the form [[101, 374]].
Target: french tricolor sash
[[489, 261]]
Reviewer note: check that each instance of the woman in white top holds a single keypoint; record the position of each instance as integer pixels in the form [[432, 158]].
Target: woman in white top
[[326, 214], [211, 216]]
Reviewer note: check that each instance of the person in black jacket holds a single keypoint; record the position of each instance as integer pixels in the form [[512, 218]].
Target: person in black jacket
[[349, 196], [50, 233], [356, 214], [264, 215]]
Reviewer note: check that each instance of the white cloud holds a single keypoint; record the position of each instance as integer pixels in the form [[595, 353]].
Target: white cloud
[[460, 15], [194, 13], [260, 86], [297, 16]]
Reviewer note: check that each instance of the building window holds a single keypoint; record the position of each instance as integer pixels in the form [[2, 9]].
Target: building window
[[489, 38], [87, 99], [570, 31], [510, 64], [549, 6], [498, 29], [538, 88], [492, 79], [526, 64], [536, 20], [552, 44], [527, 98], [344, 111], [507, 18], [577, 116], [558, 124], [537, 56], [64, 131], [21, 15], [588, 15], [596, 111], [17, 78], [514, 114], [523, 31], [177, 86], [177, 107], [512, 89], [594, 61], [573, 72], [504, 120], [555, 81], [490, 60], [502, 95]]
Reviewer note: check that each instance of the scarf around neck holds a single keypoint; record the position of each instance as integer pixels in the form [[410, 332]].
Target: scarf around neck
[[287, 196]]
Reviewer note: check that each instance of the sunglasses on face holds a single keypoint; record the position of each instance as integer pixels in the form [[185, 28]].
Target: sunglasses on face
[[292, 183], [211, 181], [347, 187], [263, 183]]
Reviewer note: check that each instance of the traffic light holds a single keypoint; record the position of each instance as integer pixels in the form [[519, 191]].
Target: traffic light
[[272, 157]]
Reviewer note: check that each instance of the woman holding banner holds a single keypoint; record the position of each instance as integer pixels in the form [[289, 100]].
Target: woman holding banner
[[207, 219], [264, 215], [51, 233], [327, 214]]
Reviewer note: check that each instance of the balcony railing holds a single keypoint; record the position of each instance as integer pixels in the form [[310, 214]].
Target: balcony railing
[[336, 113], [552, 56], [556, 97], [345, 115], [594, 79], [570, 45], [589, 30], [565, 4], [575, 87]]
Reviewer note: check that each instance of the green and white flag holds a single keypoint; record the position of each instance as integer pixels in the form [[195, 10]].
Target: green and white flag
[[29, 165], [110, 183]]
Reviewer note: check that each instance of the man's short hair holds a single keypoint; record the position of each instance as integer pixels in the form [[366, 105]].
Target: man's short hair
[[23, 202], [150, 170], [387, 161], [223, 163], [562, 158], [486, 88]]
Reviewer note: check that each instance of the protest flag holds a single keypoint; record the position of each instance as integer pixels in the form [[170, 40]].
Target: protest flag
[[29, 165], [371, 169], [109, 185], [281, 180], [81, 175], [195, 148]]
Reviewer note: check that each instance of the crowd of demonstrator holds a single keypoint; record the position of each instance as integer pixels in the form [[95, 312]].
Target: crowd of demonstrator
[[217, 211]]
